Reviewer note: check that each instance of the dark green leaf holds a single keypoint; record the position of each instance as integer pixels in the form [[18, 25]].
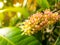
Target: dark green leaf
[[57, 41]]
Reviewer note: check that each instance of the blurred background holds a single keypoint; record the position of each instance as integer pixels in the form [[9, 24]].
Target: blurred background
[[14, 11]]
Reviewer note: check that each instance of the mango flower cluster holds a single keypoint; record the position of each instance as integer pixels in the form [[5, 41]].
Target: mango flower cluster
[[37, 21]]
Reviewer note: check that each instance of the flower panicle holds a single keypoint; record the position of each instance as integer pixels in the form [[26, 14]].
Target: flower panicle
[[39, 20]]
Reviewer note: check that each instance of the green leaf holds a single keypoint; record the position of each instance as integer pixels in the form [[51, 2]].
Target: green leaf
[[12, 36], [57, 41], [43, 4], [23, 11]]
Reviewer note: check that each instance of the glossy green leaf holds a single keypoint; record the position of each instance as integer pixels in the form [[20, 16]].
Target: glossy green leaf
[[12, 36]]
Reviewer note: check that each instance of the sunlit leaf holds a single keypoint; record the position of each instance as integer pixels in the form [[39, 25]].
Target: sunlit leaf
[[13, 9], [12, 36]]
